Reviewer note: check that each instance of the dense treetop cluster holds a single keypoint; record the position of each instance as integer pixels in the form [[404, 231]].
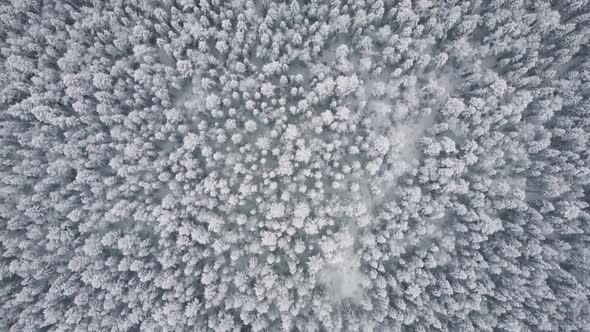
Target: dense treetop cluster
[[362, 165]]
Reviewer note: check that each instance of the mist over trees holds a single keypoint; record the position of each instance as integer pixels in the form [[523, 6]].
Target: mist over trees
[[363, 165]]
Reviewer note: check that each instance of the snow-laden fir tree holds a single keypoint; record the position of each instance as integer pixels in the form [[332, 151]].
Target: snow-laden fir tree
[[365, 165]]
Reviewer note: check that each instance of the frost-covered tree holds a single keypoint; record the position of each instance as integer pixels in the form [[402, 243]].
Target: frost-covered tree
[[318, 166]]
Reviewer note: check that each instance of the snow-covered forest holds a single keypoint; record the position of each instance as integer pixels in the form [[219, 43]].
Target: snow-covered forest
[[341, 165]]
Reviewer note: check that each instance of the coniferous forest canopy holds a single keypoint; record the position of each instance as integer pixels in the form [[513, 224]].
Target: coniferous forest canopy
[[342, 165]]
